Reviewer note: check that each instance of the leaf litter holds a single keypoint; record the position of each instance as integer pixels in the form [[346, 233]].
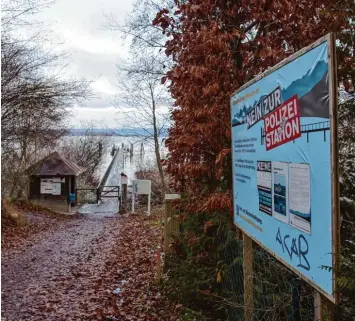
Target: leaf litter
[[68, 269]]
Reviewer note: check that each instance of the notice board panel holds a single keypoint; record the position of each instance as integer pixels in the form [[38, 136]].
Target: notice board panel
[[142, 186], [285, 164]]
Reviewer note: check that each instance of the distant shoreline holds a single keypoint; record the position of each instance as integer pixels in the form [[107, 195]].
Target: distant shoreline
[[123, 132]]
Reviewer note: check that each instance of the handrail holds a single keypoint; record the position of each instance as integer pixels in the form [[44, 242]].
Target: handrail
[[104, 178]]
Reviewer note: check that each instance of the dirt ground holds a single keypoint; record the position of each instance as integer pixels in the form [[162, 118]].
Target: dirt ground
[[59, 268]]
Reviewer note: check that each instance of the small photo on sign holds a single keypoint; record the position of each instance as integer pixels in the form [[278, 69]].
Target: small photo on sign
[[280, 204], [280, 191], [264, 180], [280, 185]]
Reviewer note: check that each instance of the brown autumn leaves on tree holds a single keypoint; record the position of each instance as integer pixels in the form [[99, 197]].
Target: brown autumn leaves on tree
[[217, 46]]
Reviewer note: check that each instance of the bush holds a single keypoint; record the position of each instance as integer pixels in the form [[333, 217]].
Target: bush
[[200, 275], [9, 216]]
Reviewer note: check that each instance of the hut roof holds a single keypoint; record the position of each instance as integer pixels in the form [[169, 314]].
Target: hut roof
[[55, 164]]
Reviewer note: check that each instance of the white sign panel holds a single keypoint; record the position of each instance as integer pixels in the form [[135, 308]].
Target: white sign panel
[[172, 196], [51, 186], [46, 186], [143, 187], [56, 188], [123, 180], [300, 196]]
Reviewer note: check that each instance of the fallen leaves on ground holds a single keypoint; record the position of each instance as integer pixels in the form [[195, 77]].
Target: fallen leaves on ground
[[70, 270], [136, 265], [28, 227]]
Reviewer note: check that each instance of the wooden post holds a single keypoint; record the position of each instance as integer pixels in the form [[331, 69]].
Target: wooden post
[[296, 296], [123, 155], [168, 214], [76, 196], [317, 306], [69, 191], [323, 308], [100, 150], [132, 197], [124, 195], [171, 225], [141, 151], [149, 200], [158, 277], [124, 182], [334, 143], [131, 151], [248, 277]]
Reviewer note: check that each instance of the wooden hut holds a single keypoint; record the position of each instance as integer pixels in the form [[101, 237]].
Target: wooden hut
[[53, 182]]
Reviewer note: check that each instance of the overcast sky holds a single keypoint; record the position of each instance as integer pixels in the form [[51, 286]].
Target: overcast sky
[[94, 51]]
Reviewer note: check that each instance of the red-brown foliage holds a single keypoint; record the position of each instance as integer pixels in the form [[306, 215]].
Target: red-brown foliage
[[217, 46]]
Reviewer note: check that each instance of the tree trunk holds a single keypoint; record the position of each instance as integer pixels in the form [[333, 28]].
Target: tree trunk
[[156, 142]]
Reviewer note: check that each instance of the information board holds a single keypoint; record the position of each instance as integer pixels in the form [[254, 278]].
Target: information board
[[51, 186], [46, 186], [142, 187], [283, 145]]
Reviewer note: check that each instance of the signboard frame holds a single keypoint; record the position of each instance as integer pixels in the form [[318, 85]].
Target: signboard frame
[[334, 161]]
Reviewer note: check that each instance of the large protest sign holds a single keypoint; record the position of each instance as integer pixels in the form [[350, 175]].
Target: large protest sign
[[285, 163]]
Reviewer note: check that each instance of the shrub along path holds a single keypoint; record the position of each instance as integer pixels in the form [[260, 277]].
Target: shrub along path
[[69, 268]]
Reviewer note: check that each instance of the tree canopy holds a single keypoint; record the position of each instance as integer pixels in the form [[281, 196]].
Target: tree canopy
[[217, 46]]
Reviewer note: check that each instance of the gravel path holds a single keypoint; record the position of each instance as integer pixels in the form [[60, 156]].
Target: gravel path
[[59, 276], [66, 268]]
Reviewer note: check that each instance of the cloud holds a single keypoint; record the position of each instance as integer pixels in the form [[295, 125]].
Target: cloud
[[82, 40], [102, 116], [103, 85], [89, 65], [94, 52], [100, 102]]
